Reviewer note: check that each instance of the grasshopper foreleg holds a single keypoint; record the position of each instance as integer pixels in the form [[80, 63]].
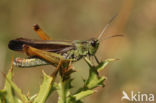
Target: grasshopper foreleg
[[96, 59]]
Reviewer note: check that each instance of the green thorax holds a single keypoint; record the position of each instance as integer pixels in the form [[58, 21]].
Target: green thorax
[[82, 48]]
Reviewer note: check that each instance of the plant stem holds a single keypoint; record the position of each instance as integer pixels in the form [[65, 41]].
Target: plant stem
[[63, 91]]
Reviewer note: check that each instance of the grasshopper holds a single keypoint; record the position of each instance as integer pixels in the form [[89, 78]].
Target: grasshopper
[[48, 51]]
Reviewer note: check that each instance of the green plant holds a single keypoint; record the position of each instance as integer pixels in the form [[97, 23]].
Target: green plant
[[12, 94]]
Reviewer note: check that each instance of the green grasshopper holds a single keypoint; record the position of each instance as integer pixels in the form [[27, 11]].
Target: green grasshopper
[[47, 51]]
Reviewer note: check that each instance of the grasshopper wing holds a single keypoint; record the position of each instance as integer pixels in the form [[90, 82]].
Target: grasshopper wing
[[46, 45]]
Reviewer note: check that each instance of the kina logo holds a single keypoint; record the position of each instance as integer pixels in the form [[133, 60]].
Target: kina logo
[[137, 96]]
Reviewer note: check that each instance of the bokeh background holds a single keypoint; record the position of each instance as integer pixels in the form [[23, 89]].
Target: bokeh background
[[81, 20]]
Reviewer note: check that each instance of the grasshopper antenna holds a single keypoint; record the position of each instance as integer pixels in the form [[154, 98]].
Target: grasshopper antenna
[[118, 35], [106, 26]]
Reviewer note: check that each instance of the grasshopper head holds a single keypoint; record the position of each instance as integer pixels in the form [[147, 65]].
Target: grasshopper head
[[93, 46]]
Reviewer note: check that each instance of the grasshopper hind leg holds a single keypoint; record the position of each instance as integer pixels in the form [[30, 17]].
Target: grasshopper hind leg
[[40, 32]]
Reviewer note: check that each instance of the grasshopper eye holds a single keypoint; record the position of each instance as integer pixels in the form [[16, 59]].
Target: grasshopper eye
[[93, 43]]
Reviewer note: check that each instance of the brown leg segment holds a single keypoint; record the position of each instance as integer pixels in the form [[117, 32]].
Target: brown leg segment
[[57, 69], [41, 33], [51, 57]]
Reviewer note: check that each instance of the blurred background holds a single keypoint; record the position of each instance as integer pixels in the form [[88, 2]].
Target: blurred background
[[82, 20]]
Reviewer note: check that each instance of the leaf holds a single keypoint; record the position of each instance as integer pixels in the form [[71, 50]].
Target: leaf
[[45, 89], [83, 94], [7, 95], [93, 84], [94, 79], [102, 65], [2, 95], [18, 91]]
